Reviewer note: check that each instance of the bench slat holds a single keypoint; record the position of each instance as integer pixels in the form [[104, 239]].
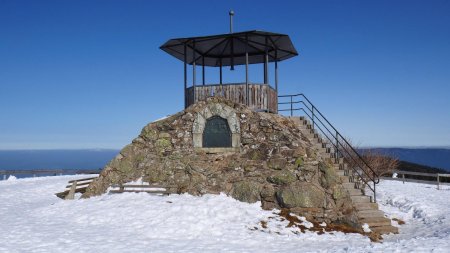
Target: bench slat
[[79, 184], [137, 191], [83, 179]]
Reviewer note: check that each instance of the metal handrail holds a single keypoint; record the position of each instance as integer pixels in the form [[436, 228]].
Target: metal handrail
[[340, 144]]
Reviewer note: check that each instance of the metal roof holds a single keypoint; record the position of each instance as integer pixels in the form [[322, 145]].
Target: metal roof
[[230, 49]]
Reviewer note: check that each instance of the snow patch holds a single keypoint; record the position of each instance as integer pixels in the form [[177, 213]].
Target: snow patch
[[33, 219], [366, 228]]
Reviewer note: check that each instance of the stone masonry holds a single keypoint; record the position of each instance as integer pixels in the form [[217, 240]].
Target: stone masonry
[[269, 161]]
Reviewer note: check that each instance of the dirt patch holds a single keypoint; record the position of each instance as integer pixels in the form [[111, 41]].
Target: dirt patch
[[320, 229], [400, 222]]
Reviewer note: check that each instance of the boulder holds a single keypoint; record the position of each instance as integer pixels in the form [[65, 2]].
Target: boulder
[[301, 194]]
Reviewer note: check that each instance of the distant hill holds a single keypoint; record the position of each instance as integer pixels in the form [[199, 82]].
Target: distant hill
[[55, 159], [407, 166], [429, 160], [431, 157]]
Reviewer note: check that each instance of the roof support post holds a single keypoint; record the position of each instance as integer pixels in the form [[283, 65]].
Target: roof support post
[[276, 71], [203, 70], [185, 79], [266, 63], [246, 71], [220, 73], [221, 88], [193, 73]]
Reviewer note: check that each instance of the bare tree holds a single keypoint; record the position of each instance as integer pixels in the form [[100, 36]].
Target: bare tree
[[379, 162]]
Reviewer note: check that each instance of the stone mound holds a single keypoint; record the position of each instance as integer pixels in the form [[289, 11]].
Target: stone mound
[[268, 160]]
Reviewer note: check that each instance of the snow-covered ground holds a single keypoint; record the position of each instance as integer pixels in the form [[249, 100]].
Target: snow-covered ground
[[33, 219]]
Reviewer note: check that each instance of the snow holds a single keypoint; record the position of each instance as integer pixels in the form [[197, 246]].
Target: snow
[[33, 219], [366, 228]]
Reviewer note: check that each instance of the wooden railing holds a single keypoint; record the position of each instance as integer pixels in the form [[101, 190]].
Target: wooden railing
[[45, 172], [75, 186], [419, 177], [261, 97], [137, 188]]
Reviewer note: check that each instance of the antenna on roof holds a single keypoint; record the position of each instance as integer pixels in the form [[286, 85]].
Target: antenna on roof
[[231, 13]]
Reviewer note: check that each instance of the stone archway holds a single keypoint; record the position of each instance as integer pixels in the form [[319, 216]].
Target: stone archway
[[216, 110]]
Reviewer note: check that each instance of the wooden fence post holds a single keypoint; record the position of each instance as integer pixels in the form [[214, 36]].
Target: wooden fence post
[[71, 194], [403, 176], [438, 181]]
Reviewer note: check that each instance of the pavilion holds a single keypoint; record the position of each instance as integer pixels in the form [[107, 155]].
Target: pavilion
[[231, 49]]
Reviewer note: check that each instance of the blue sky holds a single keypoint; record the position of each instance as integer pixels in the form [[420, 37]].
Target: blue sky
[[90, 74]]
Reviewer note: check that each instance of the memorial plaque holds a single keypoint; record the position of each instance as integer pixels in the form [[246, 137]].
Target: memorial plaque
[[217, 133]]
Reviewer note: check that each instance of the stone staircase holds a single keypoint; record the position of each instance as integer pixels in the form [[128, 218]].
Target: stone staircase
[[366, 210]]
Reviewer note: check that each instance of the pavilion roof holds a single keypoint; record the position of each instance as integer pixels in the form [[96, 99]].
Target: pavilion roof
[[230, 49]]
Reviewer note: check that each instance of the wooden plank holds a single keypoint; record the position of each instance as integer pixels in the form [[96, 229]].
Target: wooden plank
[[79, 184], [139, 186], [83, 179], [64, 193], [261, 97], [138, 191]]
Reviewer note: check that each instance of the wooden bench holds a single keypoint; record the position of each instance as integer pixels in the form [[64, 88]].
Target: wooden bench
[[151, 189], [75, 186]]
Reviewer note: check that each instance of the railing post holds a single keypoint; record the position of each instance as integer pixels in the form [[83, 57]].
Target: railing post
[[291, 107], [374, 192], [313, 117], [438, 181], [337, 146]]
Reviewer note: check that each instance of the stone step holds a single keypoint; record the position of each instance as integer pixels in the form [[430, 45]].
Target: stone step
[[342, 166], [371, 213], [360, 199], [376, 221], [321, 145], [348, 185], [385, 229], [355, 192], [324, 154], [365, 206], [343, 173]]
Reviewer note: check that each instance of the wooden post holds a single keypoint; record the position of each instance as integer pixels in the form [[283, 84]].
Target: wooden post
[[71, 194], [403, 176], [221, 88], [193, 72], [203, 70], [185, 78], [276, 71], [220, 62], [266, 64], [246, 71], [438, 181]]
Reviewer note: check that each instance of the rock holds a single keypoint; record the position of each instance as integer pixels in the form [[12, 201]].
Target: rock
[[283, 177], [149, 133], [268, 192], [330, 177], [301, 194], [277, 163], [164, 135], [163, 145], [246, 191]]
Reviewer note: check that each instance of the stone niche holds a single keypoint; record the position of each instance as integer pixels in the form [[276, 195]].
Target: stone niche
[[214, 114]]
